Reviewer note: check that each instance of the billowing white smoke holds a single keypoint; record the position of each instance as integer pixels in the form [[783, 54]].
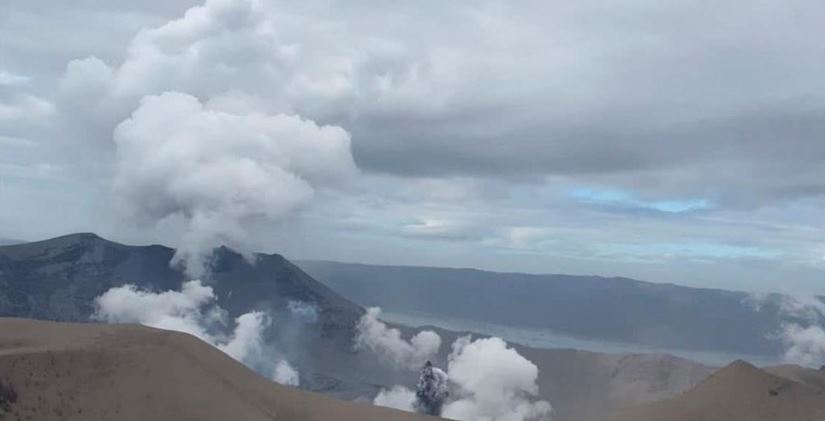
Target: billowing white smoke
[[215, 115], [183, 311], [489, 381], [804, 345], [193, 310], [203, 114], [803, 338], [212, 171], [387, 343], [431, 392], [495, 383]]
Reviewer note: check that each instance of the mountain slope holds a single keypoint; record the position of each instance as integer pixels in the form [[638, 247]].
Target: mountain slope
[[58, 279], [64, 371], [613, 309], [738, 392], [585, 385], [814, 378], [8, 241]]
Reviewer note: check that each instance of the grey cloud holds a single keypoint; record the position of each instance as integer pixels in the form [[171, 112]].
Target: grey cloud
[[667, 99], [758, 157], [484, 114]]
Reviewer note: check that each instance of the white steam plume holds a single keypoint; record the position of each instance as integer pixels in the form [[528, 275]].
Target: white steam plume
[[398, 397], [188, 310], [804, 336], [805, 341], [487, 380], [193, 310], [803, 345], [213, 171], [303, 312], [257, 56], [247, 338], [494, 383], [286, 374], [387, 343], [204, 114]]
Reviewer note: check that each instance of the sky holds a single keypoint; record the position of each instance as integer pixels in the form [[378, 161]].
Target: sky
[[679, 141]]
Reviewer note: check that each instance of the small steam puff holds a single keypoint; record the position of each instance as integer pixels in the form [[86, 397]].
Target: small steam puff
[[805, 341], [303, 312], [285, 374], [374, 335], [802, 335], [486, 380], [803, 345], [398, 397], [193, 310]]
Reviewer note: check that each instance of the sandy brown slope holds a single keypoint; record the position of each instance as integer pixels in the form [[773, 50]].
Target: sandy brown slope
[[63, 371], [738, 392], [815, 378], [586, 386]]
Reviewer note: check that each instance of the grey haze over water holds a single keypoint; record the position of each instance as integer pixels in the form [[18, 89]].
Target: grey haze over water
[[548, 339]]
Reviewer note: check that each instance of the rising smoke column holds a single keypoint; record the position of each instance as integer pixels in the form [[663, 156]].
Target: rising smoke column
[[203, 119], [374, 335], [212, 171]]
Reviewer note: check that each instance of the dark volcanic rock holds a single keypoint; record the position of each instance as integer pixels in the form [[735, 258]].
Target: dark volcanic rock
[[58, 279]]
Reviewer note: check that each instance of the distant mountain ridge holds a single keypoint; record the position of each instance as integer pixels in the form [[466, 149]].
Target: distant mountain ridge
[[613, 309]]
